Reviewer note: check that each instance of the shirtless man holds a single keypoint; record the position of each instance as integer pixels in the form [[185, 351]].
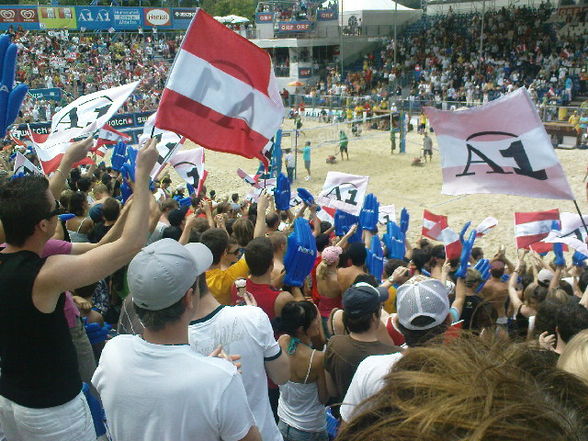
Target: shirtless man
[[495, 291], [357, 254], [279, 241]]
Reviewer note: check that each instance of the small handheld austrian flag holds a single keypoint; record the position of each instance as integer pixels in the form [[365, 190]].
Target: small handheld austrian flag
[[500, 147], [532, 228], [221, 92]]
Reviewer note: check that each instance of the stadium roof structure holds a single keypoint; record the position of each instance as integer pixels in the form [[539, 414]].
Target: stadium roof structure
[[369, 5]]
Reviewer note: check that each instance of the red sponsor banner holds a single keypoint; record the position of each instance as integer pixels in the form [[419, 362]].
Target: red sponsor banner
[[157, 17], [294, 26], [18, 15]]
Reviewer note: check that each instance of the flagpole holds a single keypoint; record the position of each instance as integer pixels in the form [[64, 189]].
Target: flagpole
[[581, 217]]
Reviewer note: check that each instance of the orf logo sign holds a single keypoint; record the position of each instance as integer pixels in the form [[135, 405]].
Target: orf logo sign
[[157, 17]]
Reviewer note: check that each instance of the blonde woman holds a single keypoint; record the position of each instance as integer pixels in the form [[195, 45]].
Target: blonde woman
[[574, 358]]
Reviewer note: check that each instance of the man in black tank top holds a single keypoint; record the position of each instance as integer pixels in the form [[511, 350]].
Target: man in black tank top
[[40, 386]]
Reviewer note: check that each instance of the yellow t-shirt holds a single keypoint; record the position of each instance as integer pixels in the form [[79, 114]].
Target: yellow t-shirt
[[220, 281], [390, 304]]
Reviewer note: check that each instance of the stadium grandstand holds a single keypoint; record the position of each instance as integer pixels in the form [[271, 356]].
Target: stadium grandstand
[[333, 54]]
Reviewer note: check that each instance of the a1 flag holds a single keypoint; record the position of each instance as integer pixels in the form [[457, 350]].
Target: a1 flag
[[572, 232], [343, 191], [221, 92], [500, 147], [24, 166], [189, 164], [79, 119], [531, 228]]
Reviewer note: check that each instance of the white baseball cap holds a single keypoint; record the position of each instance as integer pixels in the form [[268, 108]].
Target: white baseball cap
[[161, 273], [422, 303]]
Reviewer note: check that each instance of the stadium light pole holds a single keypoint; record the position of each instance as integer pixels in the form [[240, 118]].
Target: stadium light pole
[[395, 26], [482, 30], [341, 40]]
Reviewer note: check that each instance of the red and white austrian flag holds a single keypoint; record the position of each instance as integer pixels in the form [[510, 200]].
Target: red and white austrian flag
[[485, 226], [531, 228], [221, 92], [189, 164], [433, 225], [109, 135], [344, 192], [500, 147]]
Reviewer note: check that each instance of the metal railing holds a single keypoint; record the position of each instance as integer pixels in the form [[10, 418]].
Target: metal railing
[[549, 112]]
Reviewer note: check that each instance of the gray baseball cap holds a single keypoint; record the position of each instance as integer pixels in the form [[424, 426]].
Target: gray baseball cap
[[162, 272]]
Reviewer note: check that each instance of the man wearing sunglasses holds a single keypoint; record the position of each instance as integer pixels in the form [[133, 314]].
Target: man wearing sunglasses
[[40, 386]]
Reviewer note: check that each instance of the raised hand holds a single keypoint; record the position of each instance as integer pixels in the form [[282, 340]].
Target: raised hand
[[483, 266], [10, 97], [119, 156], [78, 150], [146, 159], [306, 197], [579, 259], [466, 252], [368, 217], [282, 193], [404, 220]]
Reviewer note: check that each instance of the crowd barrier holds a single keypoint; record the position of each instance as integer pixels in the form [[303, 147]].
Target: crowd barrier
[[339, 103]]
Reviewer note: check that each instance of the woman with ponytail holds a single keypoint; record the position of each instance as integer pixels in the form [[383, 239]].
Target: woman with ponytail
[[301, 406]]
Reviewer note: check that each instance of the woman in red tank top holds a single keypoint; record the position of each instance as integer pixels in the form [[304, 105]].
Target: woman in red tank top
[[327, 283]]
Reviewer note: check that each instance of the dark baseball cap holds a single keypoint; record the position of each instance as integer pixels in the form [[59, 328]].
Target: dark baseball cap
[[362, 298]]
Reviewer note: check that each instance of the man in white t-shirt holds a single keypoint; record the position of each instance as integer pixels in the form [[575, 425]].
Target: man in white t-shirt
[[423, 313], [154, 387], [247, 331]]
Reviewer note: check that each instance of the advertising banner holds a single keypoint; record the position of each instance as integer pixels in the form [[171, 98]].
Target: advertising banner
[[157, 17], [182, 17], [53, 17], [142, 117], [122, 121], [53, 93], [327, 15], [94, 17], [16, 16], [264, 17], [127, 18], [294, 26]]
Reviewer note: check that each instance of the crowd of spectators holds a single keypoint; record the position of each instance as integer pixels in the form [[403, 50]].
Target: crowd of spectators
[[294, 10], [439, 341], [438, 59], [81, 63]]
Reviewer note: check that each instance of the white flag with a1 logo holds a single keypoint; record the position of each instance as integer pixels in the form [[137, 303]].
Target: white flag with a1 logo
[[344, 192], [387, 214]]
